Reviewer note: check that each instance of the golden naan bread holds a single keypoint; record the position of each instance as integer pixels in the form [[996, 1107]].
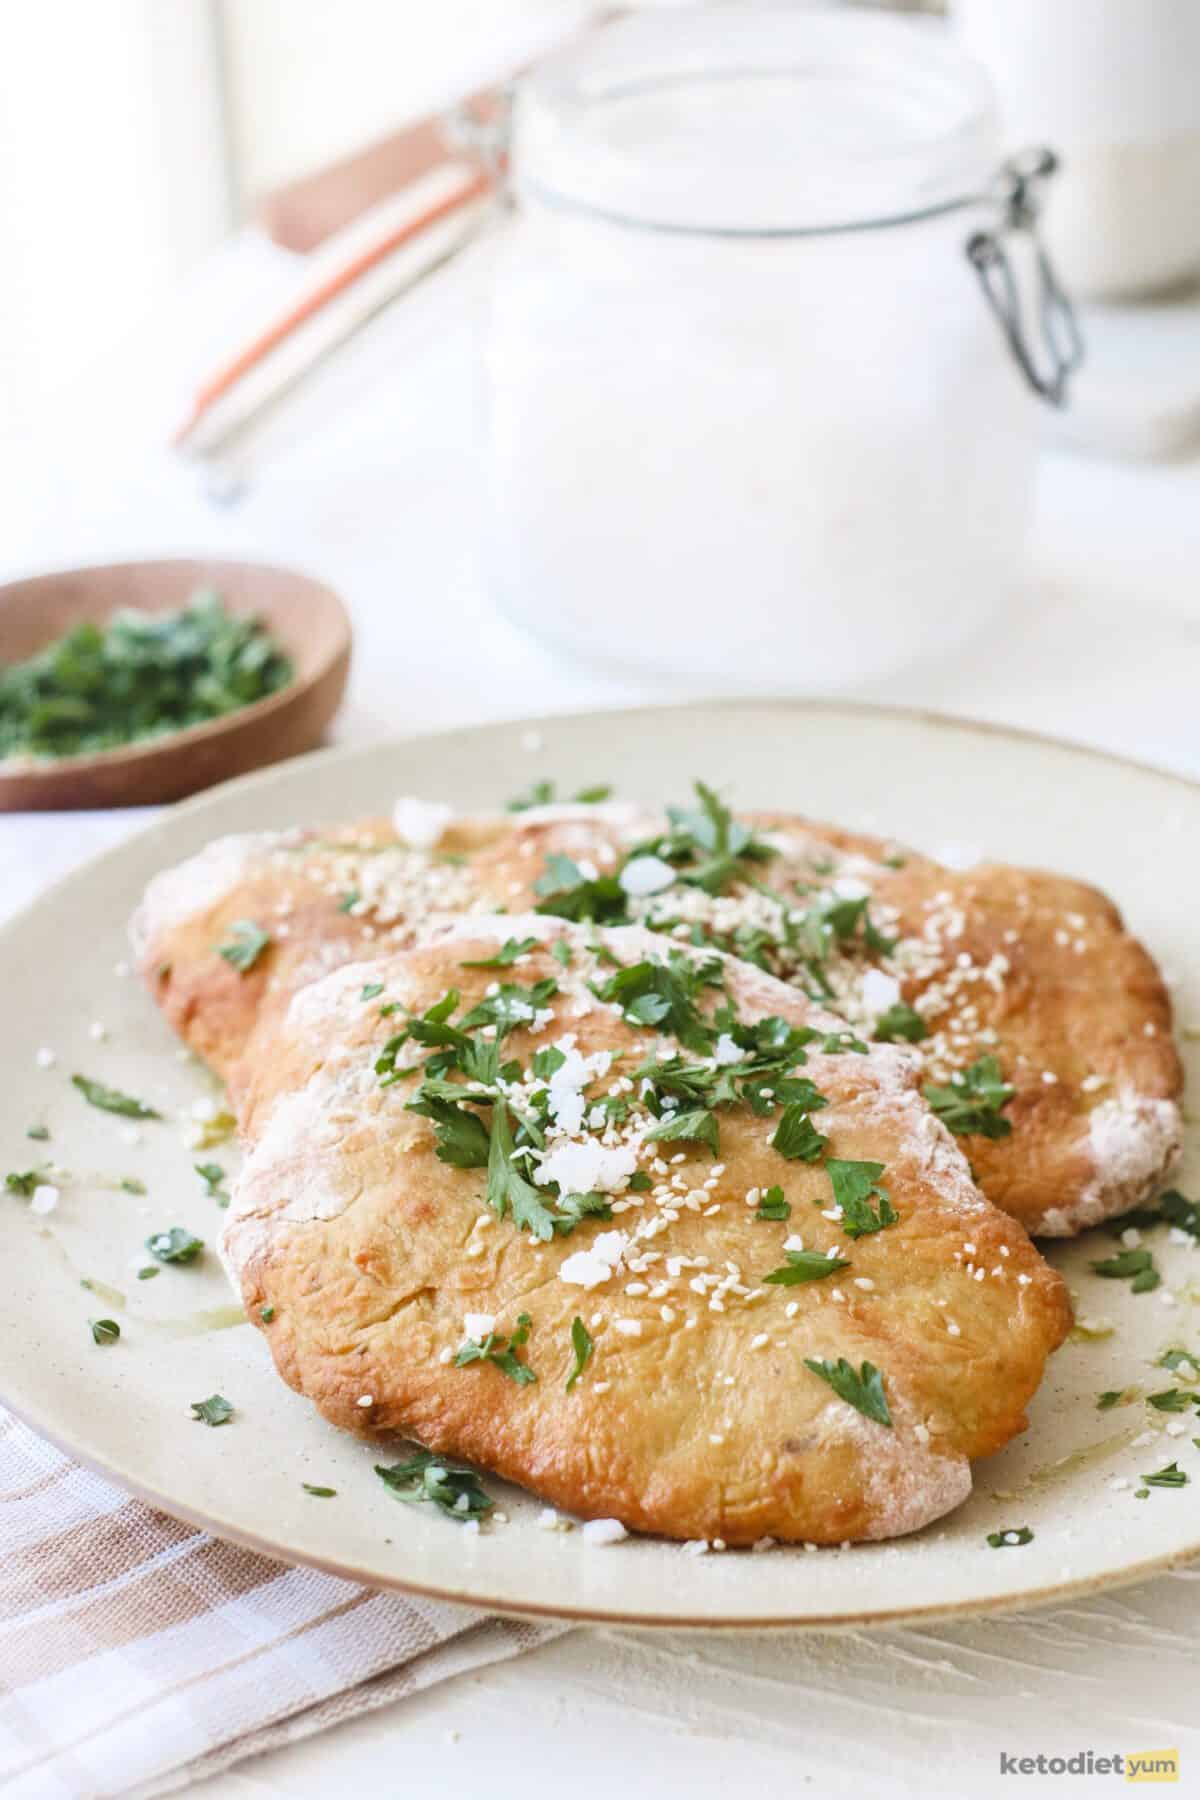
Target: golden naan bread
[[1032, 970], [444, 1299]]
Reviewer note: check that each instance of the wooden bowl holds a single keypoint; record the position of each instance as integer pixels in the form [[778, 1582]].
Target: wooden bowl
[[305, 617]]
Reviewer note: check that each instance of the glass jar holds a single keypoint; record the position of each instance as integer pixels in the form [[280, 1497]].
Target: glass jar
[[749, 415]]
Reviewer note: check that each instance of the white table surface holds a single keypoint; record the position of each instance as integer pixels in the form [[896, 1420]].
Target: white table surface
[[380, 500]]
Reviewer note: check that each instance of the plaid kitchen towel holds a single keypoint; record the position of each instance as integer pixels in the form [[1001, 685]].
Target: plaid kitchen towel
[[138, 1654]]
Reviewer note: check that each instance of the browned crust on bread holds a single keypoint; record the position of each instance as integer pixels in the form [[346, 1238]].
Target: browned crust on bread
[[1080, 1020], [363, 1245]]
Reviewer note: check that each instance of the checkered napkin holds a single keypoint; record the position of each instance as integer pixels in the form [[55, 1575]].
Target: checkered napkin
[[137, 1655]]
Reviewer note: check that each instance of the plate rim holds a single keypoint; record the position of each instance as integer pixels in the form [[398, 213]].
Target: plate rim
[[1031, 1600]]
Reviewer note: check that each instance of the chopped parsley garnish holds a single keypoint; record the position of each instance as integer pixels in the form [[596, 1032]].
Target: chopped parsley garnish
[[696, 1127], [855, 1184], [149, 1273], [112, 1099], [900, 1023], [22, 1181], [456, 1491], [540, 794], [501, 1352], [772, 1205], [640, 1182], [570, 1208], [971, 1104], [707, 844], [1180, 1361], [806, 1265], [560, 950], [213, 1177], [318, 1493], [266, 1314], [796, 1137], [104, 1331], [372, 990], [139, 675], [1173, 1400], [131, 1185], [583, 1347], [175, 1245], [507, 1189], [1135, 1266], [1180, 1212], [1170, 1477], [244, 946], [862, 1390], [513, 949], [830, 921], [39, 1132], [216, 1410], [1008, 1540], [349, 902], [566, 892], [1111, 1397]]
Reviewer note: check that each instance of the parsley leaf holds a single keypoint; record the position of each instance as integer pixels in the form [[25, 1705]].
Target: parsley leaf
[[504, 958], [583, 1346], [863, 1391], [593, 796], [1135, 1266], [461, 1137], [1008, 1540], [854, 1186], [806, 1265], [372, 990], [697, 1127], [662, 996], [40, 1132], [502, 1352], [1181, 1362], [711, 847], [971, 1103], [216, 1410], [349, 902], [104, 1331], [21, 1181], [772, 1205], [319, 1493], [112, 1100], [1181, 1212], [456, 1491], [1172, 1400], [1170, 1477], [541, 793], [797, 1138], [571, 1208], [900, 1022], [245, 944], [213, 1176], [507, 1188], [175, 1245], [567, 893]]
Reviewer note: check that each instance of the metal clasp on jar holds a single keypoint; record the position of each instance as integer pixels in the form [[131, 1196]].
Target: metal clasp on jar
[[1042, 331]]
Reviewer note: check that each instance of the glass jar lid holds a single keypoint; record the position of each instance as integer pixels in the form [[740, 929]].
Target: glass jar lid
[[757, 119]]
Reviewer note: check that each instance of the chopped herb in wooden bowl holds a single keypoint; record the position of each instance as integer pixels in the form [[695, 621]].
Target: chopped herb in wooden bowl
[[139, 676]]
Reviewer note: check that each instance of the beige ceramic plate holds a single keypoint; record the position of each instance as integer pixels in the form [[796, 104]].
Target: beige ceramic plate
[[126, 1409]]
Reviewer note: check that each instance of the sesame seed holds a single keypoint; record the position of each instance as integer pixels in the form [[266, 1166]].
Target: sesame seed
[[365, 1400]]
